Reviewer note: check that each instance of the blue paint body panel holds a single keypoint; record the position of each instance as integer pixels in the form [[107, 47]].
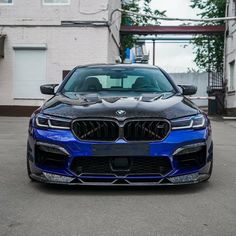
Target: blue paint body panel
[[79, 149]]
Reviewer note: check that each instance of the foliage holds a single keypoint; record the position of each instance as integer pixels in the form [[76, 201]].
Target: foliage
[[209, 49], [142, 6]]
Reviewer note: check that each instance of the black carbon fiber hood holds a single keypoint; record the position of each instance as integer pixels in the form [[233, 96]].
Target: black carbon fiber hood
[[166, 106]]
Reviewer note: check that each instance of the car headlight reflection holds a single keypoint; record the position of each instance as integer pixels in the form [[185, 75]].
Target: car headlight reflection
[[192, 122], [43, 121]]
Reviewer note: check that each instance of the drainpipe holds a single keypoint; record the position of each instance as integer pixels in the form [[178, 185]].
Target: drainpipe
[[225, 83], [154, 52]]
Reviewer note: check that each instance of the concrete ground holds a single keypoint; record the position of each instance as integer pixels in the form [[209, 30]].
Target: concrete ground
[[28, 208]]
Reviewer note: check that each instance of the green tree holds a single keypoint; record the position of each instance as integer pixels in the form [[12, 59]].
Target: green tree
[[142, 6], [209, 49]]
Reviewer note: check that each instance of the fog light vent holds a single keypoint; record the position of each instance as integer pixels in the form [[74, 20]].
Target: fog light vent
[[192, 148], [51, 148]]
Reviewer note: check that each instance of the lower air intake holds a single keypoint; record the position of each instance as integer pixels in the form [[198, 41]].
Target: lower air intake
[[132, 165]]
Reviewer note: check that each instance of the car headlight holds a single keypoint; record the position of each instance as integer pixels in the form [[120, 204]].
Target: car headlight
[[190, 122], [43, 121]]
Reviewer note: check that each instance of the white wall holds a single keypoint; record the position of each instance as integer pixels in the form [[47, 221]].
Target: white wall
[[29, 22], [230, 55], [114, 36], [198, 79], [29, 12], [66, 48]]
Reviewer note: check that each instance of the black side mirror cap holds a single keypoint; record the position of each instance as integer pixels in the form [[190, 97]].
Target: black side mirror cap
[[188, 89], [48, 89]]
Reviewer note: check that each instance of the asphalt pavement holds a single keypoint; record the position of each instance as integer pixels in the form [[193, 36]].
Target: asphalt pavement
[[28, 208]]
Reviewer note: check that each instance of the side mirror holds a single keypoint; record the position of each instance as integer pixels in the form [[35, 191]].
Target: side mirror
[[188, 89], [48, 89]]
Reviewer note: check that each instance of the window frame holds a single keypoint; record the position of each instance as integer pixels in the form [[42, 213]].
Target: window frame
[[234, 8], [56, 4], [7, 4]]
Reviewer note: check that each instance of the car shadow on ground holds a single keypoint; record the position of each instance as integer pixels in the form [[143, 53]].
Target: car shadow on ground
[[120, 190]]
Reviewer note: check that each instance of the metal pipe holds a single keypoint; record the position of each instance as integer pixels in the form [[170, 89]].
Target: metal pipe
[[177, 19]]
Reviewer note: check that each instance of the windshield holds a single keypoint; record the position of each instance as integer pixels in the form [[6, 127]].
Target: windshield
[[121, 79]]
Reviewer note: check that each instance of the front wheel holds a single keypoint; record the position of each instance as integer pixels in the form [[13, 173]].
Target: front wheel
[[29, 171], [28, 165], [210, 172]]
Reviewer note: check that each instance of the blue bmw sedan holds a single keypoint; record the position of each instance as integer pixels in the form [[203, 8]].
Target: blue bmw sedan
[[119, 125]]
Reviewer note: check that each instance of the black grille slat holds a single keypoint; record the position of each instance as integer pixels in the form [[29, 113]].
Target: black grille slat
[[139, 165], [94, 129], [99, 132], [105, 126], [129, 127], [113, 129], [150, 128], [143, 130]]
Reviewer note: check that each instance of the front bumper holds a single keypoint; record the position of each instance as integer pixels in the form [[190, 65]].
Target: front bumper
[[182, 169]]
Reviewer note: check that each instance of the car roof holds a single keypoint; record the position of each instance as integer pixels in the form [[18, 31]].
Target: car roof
[[118, 65]]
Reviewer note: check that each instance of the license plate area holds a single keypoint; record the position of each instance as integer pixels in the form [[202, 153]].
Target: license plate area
[[120, 150], [120, 163]]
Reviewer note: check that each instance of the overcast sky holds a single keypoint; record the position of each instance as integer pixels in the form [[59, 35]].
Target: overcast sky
[[174, 57]]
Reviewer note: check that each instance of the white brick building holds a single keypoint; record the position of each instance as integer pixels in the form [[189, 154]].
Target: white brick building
[[230, 59], [45, 38]]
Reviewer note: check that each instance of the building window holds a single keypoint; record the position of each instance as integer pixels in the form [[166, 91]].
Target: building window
[[6, 2], [56, 2], [232, 75], [65, 73]]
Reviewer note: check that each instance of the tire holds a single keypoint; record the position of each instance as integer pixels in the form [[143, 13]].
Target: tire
[[29, 171], [210, 172], [28, 166]]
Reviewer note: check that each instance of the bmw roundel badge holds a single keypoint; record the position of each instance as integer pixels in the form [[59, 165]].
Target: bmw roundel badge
[[120, 112]]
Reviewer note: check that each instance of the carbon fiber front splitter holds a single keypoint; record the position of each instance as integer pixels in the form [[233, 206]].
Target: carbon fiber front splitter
[[168, 181]]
